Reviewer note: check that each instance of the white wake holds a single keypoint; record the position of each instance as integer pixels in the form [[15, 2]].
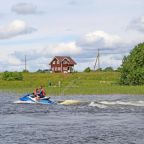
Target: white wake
[[94, 104], [129, 103]]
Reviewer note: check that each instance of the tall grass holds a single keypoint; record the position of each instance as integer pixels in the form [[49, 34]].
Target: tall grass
[[71, 84]]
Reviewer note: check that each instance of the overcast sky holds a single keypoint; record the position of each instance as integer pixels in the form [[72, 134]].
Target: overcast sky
[[42, 29]]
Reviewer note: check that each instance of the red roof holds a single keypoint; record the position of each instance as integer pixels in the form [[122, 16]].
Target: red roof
[[61, 58]]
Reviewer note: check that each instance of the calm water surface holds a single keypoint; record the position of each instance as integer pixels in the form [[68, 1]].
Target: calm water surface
[[106, 119]]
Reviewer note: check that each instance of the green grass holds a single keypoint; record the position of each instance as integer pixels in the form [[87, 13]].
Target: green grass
[[71, 84]]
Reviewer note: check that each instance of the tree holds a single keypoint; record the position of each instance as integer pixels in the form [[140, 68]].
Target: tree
[[132, 69], [87, 69], [39, 71], [25, 71], [99, 70], [108, 69], [118, 69]]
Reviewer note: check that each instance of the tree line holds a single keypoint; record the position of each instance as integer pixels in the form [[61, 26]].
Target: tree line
[[107, 69]]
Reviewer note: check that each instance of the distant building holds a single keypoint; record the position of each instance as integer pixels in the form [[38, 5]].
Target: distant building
[[63, 64]]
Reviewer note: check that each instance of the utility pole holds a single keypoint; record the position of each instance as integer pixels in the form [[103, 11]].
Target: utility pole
[[97, 62], [25, 63]]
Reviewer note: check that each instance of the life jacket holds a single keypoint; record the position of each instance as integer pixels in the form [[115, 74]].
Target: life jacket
[[42, 92]]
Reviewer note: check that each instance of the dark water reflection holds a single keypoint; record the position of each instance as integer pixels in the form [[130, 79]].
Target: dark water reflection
[[110, 119]]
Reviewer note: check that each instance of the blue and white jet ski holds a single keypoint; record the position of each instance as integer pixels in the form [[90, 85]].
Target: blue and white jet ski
[[29, 98]]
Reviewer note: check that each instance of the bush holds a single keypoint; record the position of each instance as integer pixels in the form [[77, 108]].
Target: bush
[[99, 70], [25, 71], [87, 69], [132, 69], [108, 69], [10, 76]]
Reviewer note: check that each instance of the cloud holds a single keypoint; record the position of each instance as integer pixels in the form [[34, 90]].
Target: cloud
[[2, 15], [69, 49], [14, 29], [105, 42], [39, 58], [13, 61], [99, 39], [72, 2], [137, 24], [110, 60], [25, 9], [65, 49], [32, 54], [9, 62], [112, 49], [110, 46]]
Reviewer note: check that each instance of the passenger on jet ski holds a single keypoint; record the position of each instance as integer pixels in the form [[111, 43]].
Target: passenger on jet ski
[[42, 92], [39, 93]]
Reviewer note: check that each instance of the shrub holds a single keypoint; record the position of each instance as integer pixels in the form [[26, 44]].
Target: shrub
[[108, 69], [10, 76], [87, 69], [132, 69], [25, 71]]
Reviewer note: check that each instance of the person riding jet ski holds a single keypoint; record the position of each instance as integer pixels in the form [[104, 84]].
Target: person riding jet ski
[[39, 93]]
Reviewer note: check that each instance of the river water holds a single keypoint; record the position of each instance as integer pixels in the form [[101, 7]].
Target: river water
[[91, 119]]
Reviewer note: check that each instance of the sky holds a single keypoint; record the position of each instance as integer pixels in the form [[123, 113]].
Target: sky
[[42, 29]]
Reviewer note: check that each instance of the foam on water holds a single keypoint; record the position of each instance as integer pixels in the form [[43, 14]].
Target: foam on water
[[99, 104], [70, 102], [128, 103], [94, 104], [23, 102], [103, 104]]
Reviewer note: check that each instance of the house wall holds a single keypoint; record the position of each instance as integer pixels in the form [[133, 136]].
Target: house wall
[[59, 68], [56, 66]]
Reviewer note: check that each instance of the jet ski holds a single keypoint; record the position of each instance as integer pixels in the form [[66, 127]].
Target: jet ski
[[30, 98]]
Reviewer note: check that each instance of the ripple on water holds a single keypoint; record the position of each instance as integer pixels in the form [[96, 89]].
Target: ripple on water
[[90, 119]]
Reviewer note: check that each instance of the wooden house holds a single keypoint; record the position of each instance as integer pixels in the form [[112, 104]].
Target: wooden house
[[63, 64]]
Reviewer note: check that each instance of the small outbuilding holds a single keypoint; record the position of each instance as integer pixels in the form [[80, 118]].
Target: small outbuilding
[[63, 64]]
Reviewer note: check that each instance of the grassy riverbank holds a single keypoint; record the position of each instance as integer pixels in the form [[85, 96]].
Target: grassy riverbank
[[72, 84]]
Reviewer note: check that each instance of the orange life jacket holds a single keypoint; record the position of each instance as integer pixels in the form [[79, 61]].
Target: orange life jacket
[[42, 91]]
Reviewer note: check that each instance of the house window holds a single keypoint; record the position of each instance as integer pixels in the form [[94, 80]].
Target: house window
[[65, 62], [54, 62], [58, 62], [64, 68], [52, 68]]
